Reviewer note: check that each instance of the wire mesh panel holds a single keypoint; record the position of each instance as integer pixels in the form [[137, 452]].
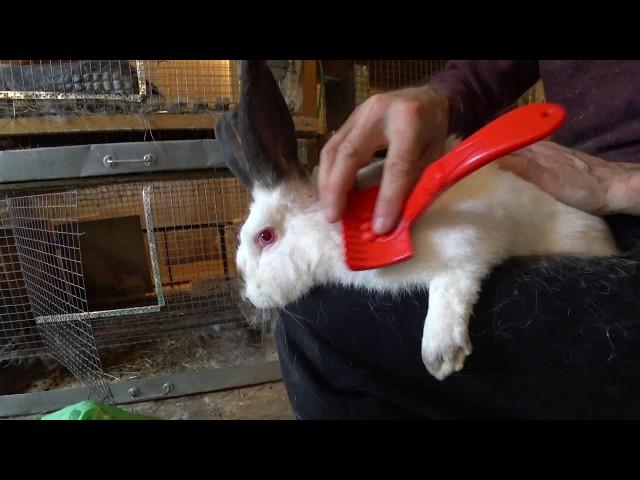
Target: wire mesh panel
[[19, 336], [351, 82], [48, 87], [348, 83], [33, 88], [195, 225], [378, 76], [191, 85], [89, 254], [47, 240], [86, 276]]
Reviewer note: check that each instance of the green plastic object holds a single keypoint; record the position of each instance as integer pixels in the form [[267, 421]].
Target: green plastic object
[[89, 410]]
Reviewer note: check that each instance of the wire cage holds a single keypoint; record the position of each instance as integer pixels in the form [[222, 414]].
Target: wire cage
[[119, 264], [39, 97], [144, 246], [32, 88]]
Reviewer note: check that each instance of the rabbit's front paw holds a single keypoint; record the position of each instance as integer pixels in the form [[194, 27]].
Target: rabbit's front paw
[[444, 352]]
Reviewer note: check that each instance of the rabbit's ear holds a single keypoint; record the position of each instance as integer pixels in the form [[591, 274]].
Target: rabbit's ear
[[258, 138]]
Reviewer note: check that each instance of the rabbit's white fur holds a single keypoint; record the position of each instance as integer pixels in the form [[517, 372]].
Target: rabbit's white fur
[[486, 218]]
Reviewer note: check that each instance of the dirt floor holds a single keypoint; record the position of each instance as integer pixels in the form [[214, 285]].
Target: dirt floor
[[261, 402]]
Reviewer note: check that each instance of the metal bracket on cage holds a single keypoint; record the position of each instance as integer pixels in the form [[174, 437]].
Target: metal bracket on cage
[[142, 83], [134, 392]]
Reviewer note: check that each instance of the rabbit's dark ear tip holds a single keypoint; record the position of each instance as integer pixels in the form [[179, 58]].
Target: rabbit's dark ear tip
[[258, 138]]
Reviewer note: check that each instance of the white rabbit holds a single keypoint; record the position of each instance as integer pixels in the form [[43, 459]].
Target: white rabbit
[[287, 247]]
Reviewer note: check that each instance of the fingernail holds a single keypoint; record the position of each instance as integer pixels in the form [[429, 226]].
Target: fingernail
[[331, 214], [380, 225]]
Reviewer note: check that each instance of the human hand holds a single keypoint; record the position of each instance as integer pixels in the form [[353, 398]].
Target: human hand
[[412, 124], [578, 179]]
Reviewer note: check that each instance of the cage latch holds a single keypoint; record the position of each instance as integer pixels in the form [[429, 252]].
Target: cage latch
[[110, 162]]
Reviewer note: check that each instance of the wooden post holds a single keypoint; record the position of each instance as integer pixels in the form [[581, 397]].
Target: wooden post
[[310, 89]]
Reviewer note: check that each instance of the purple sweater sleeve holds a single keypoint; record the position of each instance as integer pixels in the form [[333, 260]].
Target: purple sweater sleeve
[[479, 89]]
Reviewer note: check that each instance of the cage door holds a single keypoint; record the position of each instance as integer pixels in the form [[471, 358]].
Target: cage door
[[84, 270]]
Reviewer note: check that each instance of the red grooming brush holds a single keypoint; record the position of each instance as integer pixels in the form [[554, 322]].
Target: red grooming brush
[[516, 129]]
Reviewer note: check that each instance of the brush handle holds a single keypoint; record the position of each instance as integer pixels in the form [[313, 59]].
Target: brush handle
[[509, 132]]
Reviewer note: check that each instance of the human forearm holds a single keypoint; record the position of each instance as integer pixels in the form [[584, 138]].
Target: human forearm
[[478, 89]]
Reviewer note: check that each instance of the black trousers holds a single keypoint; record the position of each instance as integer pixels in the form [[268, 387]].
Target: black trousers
[[554, 338]]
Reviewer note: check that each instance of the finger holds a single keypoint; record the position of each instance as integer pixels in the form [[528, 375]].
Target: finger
[[328, 152], [402, 169], [327, 162], [353, 152]]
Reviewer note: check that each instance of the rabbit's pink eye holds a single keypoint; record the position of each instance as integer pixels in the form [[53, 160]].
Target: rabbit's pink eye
[[266, 237]]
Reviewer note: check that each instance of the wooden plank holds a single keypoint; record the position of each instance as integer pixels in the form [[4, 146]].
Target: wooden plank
[[184, 273], [189, 272], [213, 201], [310, 89], [193, 245], [45, 186], [305, 125], [104, 123], [198, 254]]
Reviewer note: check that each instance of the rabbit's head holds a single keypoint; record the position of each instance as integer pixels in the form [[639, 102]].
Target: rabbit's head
[[280, 242]]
